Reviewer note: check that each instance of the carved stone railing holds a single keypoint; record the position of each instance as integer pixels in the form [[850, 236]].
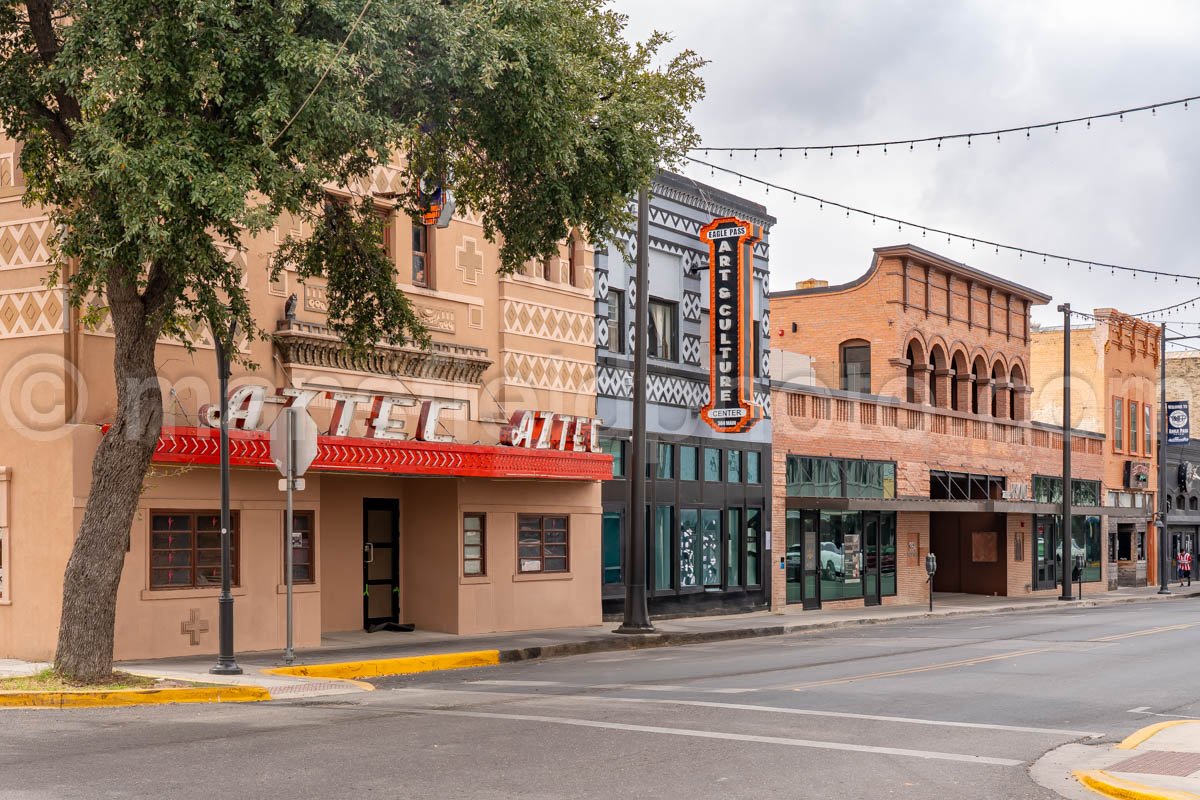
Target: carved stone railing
[[312, 344]]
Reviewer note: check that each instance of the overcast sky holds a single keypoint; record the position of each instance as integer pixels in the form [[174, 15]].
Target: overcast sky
[[826, 71]]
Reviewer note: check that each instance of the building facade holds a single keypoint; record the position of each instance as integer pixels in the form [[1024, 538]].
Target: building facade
[[902, 429], [708, 493], [1114, 389], [1183, 503], [456, 488]]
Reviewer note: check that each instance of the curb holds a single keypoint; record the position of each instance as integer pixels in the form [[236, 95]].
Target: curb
[[411, 665], [133, 697], [1131, 741], [378, 668], [1109, 785]]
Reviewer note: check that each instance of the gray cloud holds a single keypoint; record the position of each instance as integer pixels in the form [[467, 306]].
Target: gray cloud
[[818, 72]]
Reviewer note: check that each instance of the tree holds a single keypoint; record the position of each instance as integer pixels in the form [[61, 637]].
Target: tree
[[158, 132]]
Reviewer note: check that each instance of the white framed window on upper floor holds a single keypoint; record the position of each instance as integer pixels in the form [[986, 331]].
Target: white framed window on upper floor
[[664, 333]]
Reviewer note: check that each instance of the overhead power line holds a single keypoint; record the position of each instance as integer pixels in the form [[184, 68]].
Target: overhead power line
[[946, 137], [950, 235]]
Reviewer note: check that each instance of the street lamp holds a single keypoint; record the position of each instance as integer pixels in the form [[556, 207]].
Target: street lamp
[[1067, 530], [226, 663]]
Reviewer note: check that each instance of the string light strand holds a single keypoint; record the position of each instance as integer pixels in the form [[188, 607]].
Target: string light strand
[[974, 241], [857, 146]]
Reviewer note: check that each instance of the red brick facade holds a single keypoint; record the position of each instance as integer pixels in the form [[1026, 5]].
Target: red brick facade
[[932, 324]]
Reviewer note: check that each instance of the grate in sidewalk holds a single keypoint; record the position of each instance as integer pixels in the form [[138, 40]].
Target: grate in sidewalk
[[308, 688], [1160, 762]]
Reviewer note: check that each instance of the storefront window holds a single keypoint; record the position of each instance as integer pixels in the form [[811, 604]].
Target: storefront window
[[688, 462], [474, 563], [753, 466], [689, 547], [753, 543], [185, 549], [610, 545], [712, 464], [887, 554], [662, 547], [616, 449], [1047, 561], [1049, 490], [710, 547], [665, 468], [542, 543], [840, 557], [733, 466], [837, 477], [733, 544]]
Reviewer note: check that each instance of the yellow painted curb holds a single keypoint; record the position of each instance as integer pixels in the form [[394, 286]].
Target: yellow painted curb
[[1138, 737], [83, 698], [1111, 786], [392, 666]]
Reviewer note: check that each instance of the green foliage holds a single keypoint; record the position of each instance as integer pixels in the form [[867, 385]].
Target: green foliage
[[162, 133]]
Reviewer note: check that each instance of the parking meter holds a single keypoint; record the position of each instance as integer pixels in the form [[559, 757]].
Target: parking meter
[[930, 569], [1079, 572]]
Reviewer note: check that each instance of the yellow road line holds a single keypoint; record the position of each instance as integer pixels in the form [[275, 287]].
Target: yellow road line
[[392, 666], [966, 662], [1146, 632], [134, 697], [1108, 785], [1131, 741]]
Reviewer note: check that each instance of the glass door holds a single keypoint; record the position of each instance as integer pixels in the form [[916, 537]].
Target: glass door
[[803, 570], [870, 557], [381, 556], [1047, 550]]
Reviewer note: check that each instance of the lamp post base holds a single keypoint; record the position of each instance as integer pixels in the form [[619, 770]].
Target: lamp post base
[[1164, 590], [648, 628], [225, 669], [1065, 597]]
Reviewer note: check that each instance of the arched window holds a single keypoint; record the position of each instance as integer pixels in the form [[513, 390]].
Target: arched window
[[980, 371], [1181, 503], [916, 360], [998, 377], [1016, 396], [937, 363], [1193, 503], [856, 366], [959, 365]]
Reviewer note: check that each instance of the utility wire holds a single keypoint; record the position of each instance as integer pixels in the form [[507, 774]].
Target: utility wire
[[974, 240], [325, 74], [857, 146]]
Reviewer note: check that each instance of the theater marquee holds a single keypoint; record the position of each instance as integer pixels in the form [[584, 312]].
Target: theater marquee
[[731, 407]]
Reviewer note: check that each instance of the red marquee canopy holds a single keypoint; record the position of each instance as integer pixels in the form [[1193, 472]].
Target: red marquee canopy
[[187, 445]]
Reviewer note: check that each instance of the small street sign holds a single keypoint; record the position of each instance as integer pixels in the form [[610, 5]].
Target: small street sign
[[304, 437]]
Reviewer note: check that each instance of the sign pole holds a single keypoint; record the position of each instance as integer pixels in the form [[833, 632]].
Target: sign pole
[[1161, 523], [637, 613], [1067, 533], [289, 655]]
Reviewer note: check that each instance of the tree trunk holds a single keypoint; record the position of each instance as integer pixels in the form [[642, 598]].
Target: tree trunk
[[88, 623]]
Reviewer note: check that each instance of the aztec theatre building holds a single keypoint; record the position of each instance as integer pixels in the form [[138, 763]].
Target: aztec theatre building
[[902, 428], [456, 489]]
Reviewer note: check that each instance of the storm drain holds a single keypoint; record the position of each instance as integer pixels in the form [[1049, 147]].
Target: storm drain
[[1158, 762]]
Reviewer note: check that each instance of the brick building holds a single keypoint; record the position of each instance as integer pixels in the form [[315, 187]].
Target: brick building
[[901, 418], [1114, 389]]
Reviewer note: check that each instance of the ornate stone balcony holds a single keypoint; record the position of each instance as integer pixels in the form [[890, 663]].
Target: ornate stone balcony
[[312, 344]]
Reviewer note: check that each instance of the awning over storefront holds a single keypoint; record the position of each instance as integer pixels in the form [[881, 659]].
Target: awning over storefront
[[187, 445], [921, 504]]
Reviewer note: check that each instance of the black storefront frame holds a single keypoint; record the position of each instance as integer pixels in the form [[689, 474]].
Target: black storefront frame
[[697, 494]]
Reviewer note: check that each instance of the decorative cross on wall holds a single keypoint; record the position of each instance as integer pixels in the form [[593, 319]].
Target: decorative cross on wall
[[469, 260], [193, 626]]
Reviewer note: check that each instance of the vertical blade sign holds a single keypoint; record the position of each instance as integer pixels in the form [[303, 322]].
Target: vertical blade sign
[[731, 407]]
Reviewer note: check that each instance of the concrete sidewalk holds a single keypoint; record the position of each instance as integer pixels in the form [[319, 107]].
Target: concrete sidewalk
[[330, 669], [1158, 762]]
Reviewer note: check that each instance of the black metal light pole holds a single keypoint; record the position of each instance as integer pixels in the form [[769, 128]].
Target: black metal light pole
[[637, 614], [1066, 537], [1160, 524], [226, 663]]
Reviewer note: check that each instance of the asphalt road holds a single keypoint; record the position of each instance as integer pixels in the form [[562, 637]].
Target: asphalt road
[[949, 708]]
